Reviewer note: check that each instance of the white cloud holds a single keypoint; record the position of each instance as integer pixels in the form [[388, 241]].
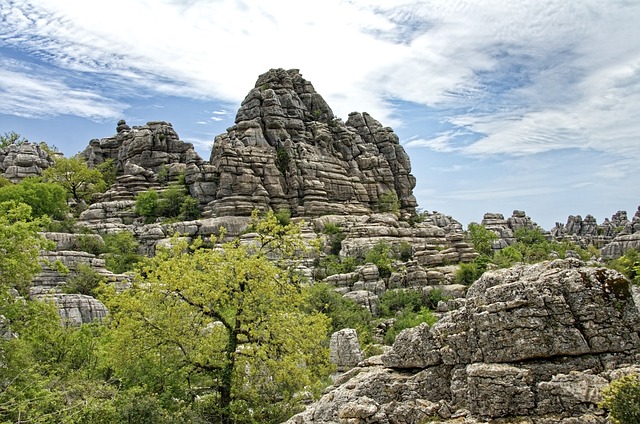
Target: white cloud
[[37, 96], [526, 76]]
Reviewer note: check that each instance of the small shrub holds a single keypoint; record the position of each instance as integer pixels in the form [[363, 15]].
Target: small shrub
[[83, 281], [393, 301], [170, 202], [90, 244], [336, 236], [282, 160], [408, 319], [405, 251], [283, 216], [434, 297], [481, 238], [468, 273], [334, 264], [380, 256], [622, 399], [147, 205], [108, 170], [629, 265], [388, 202], [122, 252], [190, 209], [163, 175], [343, 312]]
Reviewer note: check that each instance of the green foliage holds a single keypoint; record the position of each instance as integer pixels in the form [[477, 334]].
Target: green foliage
[[405, 251], [481, 238], [336, 236], [334, 264], [90, 243], [408, 319], [108, 170], [229, 324], [622, 399], [44, 198], [388, 202], [343, 312], [20, 243], [173, 202], [190, 209], [9, 138], [84, 280], [121, 252], [393, 301], [381, 256], [147, 205], [163, 175], [628, 264], [468, 273], [282, 160], [80, 181], [283, 216]]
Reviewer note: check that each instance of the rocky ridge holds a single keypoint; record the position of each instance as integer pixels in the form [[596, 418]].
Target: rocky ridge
[[534, 343]]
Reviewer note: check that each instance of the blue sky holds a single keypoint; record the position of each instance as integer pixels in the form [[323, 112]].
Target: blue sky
[[531, 105]]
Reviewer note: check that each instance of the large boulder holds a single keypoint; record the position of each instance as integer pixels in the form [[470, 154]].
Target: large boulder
[[533, 342]]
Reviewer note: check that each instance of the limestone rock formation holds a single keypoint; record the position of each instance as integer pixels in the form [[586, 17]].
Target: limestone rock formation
[[530, 342], [288, 151], [506, 228], [19, 161], [344, 349]]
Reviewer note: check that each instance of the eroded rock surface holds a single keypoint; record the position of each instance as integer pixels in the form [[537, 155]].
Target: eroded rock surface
[[535, 342]]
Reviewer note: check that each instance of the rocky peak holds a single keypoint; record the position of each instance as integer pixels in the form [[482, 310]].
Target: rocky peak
[[19, 161], [288, 151]]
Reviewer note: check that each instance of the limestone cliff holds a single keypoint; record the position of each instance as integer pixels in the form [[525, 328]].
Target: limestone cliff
[[532, 343]]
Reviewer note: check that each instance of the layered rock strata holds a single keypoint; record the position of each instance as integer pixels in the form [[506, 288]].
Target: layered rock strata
[[534, 343], [19, 161]]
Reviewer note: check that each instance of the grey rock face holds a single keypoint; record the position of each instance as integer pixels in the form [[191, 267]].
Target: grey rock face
[[19, 161], [536, 342], [288, 151], [344, 349]]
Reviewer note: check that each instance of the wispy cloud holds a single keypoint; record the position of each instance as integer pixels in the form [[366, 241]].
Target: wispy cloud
[[522, 77]]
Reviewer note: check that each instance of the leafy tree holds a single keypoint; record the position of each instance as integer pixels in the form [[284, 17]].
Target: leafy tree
[[629, 265], [20, 243], [121, 252], [388, 202], [85, 280], [343, 312], [80, 181], [147, 205], [9, 138], [481, 238], [393, 301], [622, 399], [381, 256], [44, 198], [109, 171], [207, 322]]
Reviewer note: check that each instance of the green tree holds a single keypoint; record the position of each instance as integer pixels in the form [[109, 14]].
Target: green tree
[[226, 324], [481, 238], [147, 205], [109, 171], [80, 181], [9, 138], [121, 252], [20, 243], [622, 399], [44, 198], [381, 256], [628, 264]]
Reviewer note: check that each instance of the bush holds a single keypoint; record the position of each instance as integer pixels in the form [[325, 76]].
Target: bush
[[333, 264], [171, 201], [283, 216], [408, 319], [622, 399], [343, 312], [147, 205], [83, 281], [190, 209], [90, 244], [44, 198], [388, 202], [629, 265], [481, 238], [122, 252], [380, 256], [335, 236], [393, 301], [468, 273]]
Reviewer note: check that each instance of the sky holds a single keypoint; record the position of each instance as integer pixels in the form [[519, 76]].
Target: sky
[[501, 105]]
